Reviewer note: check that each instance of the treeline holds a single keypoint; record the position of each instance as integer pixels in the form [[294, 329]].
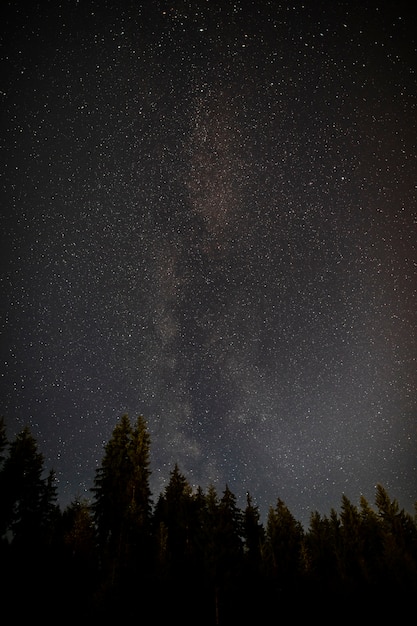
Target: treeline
[[191, 557]]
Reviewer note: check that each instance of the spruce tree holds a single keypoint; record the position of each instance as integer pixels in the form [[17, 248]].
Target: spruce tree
[[351, 554], [23, 490], [373, 542], [253, 532], [122, 497], [112, 497], [79, 554], [399, 541], [321, 555], [284, 544], [173, 521], [230, 529], [139, 454]]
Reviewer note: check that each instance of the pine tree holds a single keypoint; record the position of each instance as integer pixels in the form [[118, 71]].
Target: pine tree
[[210, 529], [111, 495], [140, 460], [321, 554], [50, 511], [23, 490], [373, 541], [122, 497], [387, 509], [351, 554], [78, 532], [253, 532], [173, 519], [284, 543], [399, 541], [30, 519], [228, 543]]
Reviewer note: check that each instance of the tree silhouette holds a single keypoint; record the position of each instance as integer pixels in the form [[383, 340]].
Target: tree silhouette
[[29, 524], [254, 536], [122, 497], [283, 546], [173, 520], [26, 497], [399, 541], [320, 552], [209, 561]]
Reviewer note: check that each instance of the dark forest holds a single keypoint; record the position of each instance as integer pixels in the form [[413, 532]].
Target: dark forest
[[190, 557]]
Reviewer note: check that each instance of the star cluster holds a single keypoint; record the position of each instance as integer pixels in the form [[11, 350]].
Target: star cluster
[[209, 218]]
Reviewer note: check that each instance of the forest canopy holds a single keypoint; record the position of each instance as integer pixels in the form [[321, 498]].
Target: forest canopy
[[207, 558]]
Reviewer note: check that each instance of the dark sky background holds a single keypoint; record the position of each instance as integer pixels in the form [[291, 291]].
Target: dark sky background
[[208, 217]]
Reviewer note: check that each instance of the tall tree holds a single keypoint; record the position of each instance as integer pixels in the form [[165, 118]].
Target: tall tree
[[372, 534], [179, 525], [321, 555], [78, 534], [29, 517], [173, 520], [227, 533], [139, 455], [252, 587], [230, 531], [387, 509], [122, 497], [351, 558], [254, 534], [399, 540], [284, 543], [111, 498], [79, 554], [23, 489], [210, 514]]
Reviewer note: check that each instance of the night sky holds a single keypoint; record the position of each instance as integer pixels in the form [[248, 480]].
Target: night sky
[[209, 217]]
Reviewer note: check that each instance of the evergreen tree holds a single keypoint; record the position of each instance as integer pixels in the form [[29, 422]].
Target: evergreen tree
[[284, 544], [321, 556], [50, 511], [23, 490], [139, 452], [212, 563], [79, 554], [229, 532], [352, 556], [209, 524], [211, 508], [79, 534], [111, 497], [122, 497], [252, 581], [253, 533], [387, 509], [199, 530], [180, 557], [173, 520], [372, 541], [399, 541], [228, 555], [30, 518]]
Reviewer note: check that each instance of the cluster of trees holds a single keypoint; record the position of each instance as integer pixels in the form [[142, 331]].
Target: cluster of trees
[[191, 556]]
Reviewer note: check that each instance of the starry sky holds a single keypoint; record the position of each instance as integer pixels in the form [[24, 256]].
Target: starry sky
[[208, 217]]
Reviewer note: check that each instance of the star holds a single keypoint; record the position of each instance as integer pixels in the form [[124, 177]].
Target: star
[[209, 220]]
